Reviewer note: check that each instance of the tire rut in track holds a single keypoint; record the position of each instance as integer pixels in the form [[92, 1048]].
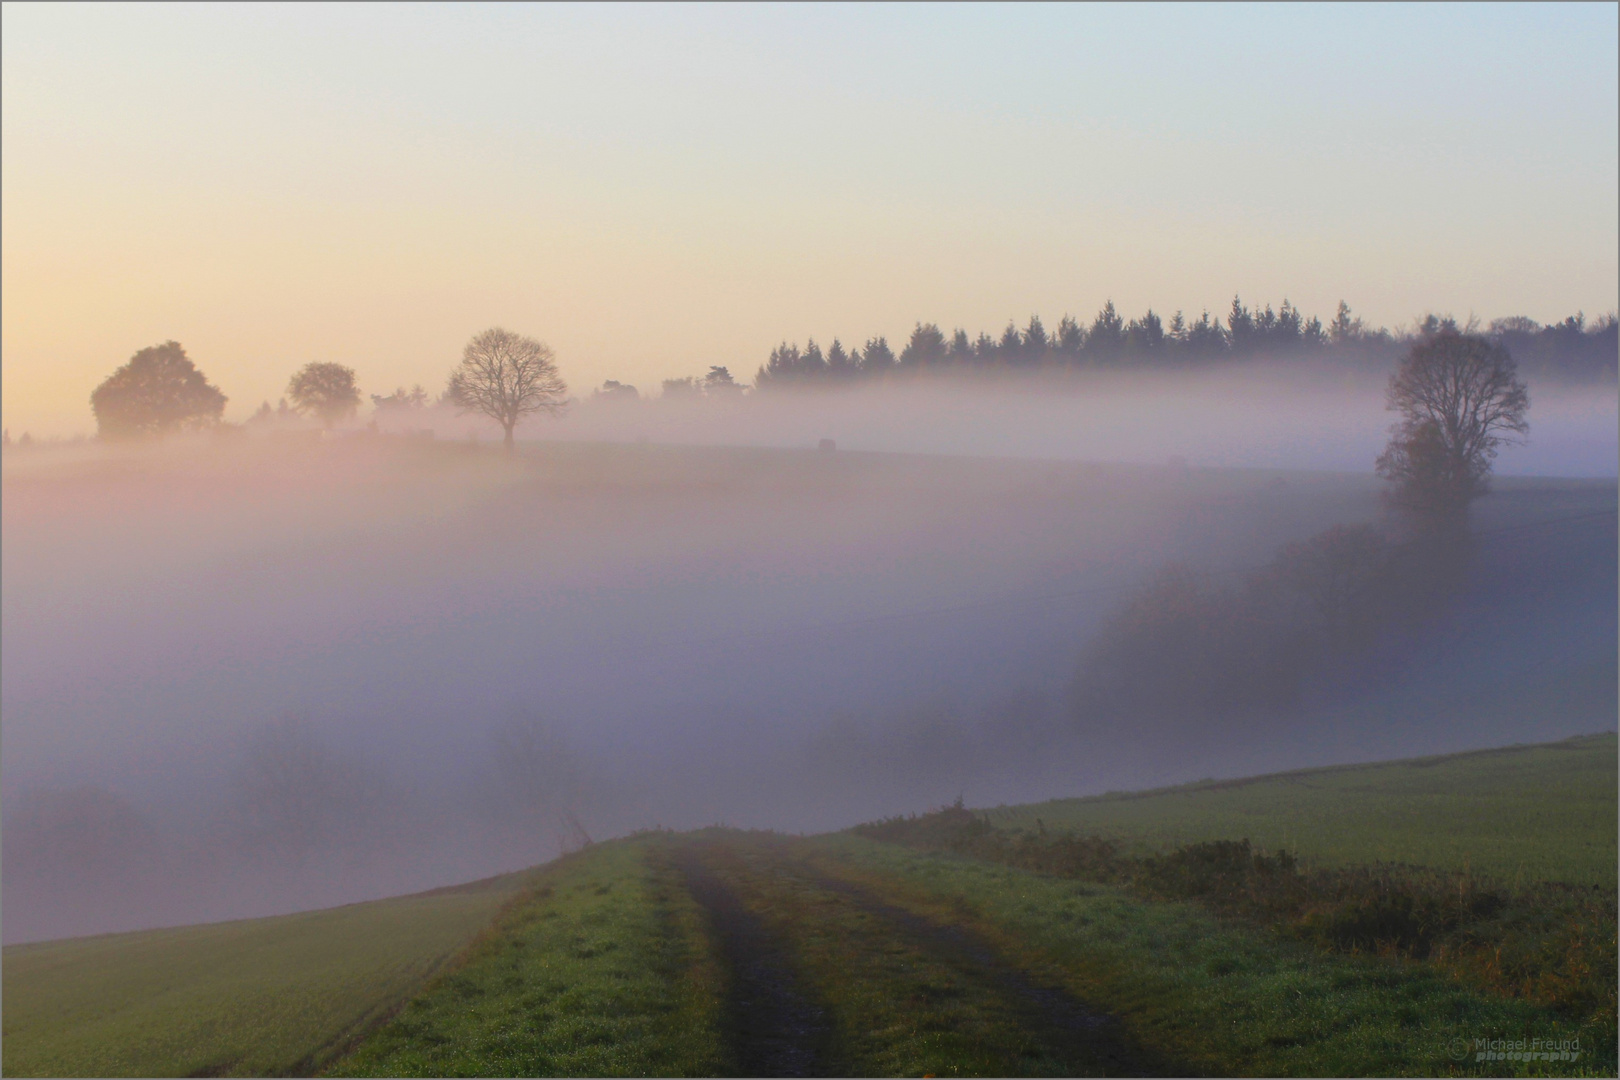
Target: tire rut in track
[[1084, 1035], [775, 1029]]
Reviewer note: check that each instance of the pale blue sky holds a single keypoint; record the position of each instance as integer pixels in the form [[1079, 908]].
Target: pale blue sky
[[653, 189]]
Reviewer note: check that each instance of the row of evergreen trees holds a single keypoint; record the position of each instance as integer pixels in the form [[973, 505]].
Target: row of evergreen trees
[[1113, 342]]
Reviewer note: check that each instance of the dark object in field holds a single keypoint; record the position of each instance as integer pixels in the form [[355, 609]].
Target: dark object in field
[[827, 446], [775, 1029]]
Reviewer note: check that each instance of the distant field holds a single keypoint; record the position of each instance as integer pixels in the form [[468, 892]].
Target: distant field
[[1532, 813], [258, 997]]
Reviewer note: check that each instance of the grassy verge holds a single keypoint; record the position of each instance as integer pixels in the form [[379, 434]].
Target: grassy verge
[[1520, 814], [255, 997], [1554, 944], [602, 969], [1221, 998]]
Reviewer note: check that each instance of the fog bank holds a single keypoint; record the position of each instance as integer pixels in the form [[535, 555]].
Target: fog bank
[[252, 675]]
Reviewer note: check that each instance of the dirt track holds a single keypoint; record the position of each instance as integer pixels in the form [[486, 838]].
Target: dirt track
[[774, 1028], [777, 1028]]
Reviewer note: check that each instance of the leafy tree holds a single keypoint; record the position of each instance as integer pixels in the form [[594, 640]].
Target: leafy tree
[[325, 391], [1460, 399], [158, 391], [506, 377]]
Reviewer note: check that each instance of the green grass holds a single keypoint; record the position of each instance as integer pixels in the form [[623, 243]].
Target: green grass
[[602, 969], [603, 963], [895, 1006], [252, 998], [1521, 814], [1224, 999]]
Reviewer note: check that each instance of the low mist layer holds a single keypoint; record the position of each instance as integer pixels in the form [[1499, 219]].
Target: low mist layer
[[264, 673]]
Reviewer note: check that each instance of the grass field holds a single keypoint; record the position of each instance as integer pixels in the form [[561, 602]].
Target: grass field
[[731, 953], [1542, 813], [257, 997], [601, 969]]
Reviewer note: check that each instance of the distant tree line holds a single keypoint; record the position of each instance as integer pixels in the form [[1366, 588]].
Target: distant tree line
[[506, 377], [1572, 348], [503, 376]]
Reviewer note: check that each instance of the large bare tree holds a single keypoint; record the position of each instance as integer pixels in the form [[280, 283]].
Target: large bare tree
[[1460, 399], [506, 377]]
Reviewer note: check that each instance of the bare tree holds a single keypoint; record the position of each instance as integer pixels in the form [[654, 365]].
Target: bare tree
[[541, 778], [1460, 399], [506, 377], [325, 391]]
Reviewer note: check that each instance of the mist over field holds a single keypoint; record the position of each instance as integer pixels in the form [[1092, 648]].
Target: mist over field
[[1257, 415], [253, 674]]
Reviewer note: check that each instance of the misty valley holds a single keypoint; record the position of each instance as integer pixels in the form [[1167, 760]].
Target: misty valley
[[810, 540], [261, 674]]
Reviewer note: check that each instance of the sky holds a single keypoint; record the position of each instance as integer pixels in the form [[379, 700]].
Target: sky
[[652, 190]]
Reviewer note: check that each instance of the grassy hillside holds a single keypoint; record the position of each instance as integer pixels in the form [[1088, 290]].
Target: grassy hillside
[[250, 998], [731, 953], [600, 969], [1529, 813]]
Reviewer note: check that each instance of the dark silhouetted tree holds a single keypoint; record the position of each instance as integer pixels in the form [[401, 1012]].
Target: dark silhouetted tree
[[1240, 328], [1344, 330], [1069, 340], [613, 390], [158, 391], [877, 358], [1144, 337], [718, 382], [839, 365], [325, 391], [1011, 346], [506, 376], [1460, 399], [925, 349], [401, 402], [1037, 343], [1106, 338]]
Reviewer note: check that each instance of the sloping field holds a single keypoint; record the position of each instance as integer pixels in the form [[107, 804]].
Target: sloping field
[[1525, 813], [729, 953], [257, 997]]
